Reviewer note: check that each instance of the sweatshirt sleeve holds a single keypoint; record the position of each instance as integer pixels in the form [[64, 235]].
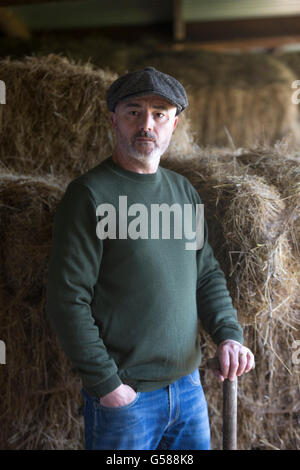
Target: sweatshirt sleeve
[[214, 304], [74, 267]]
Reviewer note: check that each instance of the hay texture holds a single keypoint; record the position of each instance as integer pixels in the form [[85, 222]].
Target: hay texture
[[280, 166], [250, 231], [40, 403], [240, 98], [55, 118]]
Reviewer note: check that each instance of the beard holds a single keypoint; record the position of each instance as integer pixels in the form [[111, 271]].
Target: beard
[[144, 152]]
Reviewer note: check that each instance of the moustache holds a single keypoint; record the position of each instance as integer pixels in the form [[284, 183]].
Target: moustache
[[147, 135]]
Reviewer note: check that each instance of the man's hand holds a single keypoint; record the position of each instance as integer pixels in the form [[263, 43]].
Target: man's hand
[[120, 396], [232, 360]]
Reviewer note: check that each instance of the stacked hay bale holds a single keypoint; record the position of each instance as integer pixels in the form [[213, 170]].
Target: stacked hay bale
[[253, 212], [240, 98], [55, 118], [39, 394], [280, 166]]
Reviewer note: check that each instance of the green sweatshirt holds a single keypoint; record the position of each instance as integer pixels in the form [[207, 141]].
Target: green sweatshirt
[[125, 305]]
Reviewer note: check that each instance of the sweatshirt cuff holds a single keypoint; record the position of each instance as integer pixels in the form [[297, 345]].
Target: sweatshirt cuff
[[102, 388], [228, 333]]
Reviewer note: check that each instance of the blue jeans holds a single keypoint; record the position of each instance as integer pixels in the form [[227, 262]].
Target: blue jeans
[[173, 417]]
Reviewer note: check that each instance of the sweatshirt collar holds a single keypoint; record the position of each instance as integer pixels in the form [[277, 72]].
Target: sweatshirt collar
[[142, 177]]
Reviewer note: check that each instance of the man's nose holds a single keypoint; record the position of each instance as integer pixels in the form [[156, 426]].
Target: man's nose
[[146, 122]]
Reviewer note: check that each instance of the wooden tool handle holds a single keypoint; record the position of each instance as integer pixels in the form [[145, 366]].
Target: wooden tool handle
[[230, 414], [229, 409]]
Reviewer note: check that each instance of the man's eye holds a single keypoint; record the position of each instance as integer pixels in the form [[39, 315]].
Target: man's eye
[[160, 115], [133, 113]]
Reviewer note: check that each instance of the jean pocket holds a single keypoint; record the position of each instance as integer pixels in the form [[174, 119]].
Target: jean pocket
[[194, 377], [119, 408]]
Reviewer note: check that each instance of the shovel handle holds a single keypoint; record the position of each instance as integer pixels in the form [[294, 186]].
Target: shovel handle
[[229, 409], [230, 414]]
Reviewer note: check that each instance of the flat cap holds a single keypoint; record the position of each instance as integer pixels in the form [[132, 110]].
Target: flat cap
[[148, 81]]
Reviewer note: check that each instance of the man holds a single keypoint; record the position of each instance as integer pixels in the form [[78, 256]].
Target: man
[[124, 294]]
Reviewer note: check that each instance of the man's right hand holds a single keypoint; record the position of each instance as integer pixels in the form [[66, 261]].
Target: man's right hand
[[120, 396]]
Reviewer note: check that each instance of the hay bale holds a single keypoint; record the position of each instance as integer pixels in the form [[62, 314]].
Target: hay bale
[[240, 98], [280, 166], [55, 118], [26, 205], [249, 233], [40, 402], [183, 140]]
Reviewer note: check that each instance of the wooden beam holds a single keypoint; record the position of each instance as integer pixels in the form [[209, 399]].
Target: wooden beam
[[12, 3], [67, 15], [179, 24], [12, 25], [228, 30]]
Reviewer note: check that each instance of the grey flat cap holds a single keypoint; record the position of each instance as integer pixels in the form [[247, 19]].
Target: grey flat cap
[[147, 82]]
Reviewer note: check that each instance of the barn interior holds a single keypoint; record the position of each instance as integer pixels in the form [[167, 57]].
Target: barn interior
[[238, 144]]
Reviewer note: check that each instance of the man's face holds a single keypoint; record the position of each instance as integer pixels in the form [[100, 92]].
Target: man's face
[[144, 127]]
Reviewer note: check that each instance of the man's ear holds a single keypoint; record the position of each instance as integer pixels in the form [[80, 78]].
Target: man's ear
[[175, 123], [113, 119]]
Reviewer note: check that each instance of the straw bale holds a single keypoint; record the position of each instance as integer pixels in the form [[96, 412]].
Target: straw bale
[[55, 118], [239, 97], [280, 166], [183, 140], [40, 403]]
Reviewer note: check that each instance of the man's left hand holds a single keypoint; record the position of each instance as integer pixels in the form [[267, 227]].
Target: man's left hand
[[234, 360]]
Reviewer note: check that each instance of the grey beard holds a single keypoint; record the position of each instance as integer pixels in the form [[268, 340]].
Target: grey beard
[[129, 149], [145, 158]]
